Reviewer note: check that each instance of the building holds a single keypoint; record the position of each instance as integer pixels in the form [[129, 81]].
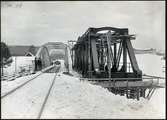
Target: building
[[23, 50]]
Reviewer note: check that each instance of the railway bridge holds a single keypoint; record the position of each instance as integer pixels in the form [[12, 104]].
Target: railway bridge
[[105, 56], [49, 53]]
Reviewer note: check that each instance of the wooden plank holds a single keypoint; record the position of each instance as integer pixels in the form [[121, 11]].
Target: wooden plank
[[125, 84], [107, 79]]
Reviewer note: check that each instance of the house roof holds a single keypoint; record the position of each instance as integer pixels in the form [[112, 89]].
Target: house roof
[[22, 50]]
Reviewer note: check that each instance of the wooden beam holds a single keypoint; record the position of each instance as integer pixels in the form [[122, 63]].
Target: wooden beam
[[124, 84]]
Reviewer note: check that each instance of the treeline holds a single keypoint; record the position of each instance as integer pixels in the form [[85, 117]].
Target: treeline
[[5, 54]]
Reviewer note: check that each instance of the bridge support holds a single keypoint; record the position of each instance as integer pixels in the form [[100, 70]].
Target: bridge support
[[102, 60]]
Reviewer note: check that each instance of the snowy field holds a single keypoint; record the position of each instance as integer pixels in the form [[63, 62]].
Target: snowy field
[[19, 63], [151, 64], [10, 85], [72, 98]]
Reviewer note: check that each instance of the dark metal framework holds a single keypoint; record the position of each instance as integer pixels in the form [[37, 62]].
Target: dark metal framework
[[99, 54], [102, 55], [45, 59]]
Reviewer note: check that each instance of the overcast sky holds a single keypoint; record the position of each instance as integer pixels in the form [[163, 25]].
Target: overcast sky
[[35, 23]]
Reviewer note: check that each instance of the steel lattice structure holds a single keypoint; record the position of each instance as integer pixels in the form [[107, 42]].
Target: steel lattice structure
[[102, 55]]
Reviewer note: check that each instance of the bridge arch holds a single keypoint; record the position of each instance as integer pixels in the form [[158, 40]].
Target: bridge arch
[[42, 58], [50, 52]]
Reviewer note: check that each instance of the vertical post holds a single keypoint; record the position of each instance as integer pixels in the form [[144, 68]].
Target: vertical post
[[67, 59], [109, 55], [89, 55], [138, 93], [94, 54], [75, 58], [119, 54], [72, 54], [15, 65], [2, 68], [102, 61], [2, 59], [124, 54], [127, 92], [115, 53]]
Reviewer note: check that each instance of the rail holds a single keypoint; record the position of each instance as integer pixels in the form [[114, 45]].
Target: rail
[[46, 97], [41, 72]]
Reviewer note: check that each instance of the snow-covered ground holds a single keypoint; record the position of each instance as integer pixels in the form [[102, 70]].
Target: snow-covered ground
[[26, 102], [151, 64], [10, 85], [19, 62], [72, 98]]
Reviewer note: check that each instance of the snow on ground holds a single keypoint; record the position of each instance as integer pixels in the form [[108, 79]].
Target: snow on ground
[[18, 62], [151, 64], [26, 101], [10, 85], [72, 98]]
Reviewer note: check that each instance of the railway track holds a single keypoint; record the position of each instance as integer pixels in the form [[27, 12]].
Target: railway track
[[13, 90], [37, 89], [46, 97]]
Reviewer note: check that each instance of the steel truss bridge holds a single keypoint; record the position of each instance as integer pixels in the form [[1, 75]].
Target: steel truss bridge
[[105, 57]]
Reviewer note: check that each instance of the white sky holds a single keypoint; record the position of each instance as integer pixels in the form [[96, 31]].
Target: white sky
[[36, 23]]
